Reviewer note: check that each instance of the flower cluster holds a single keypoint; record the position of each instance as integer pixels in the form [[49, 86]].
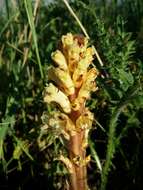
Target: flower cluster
[[72, 80]]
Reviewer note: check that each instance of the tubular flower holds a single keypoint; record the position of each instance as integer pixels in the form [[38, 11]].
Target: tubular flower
[[80, 72], [53, 94], [62, 79], [88, 85], [63, 123], [73, 47], [59, 60], [85, 120], [74, 80]]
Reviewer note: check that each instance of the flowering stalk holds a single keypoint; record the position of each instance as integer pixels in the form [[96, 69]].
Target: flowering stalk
[[73, 79]]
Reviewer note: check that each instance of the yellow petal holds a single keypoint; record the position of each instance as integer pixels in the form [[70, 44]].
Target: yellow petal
[[53, 94], [62, 79], [73, 46], [59, 59], [67, 40]]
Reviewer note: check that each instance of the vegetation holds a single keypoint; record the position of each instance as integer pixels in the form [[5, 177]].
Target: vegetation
[[29, 153]]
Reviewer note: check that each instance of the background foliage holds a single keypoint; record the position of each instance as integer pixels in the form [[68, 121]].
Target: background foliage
[[28, 155]]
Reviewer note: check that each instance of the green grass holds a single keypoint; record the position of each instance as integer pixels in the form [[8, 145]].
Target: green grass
[[28, 7]]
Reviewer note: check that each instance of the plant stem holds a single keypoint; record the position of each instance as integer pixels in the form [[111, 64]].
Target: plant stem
[[77, 153]]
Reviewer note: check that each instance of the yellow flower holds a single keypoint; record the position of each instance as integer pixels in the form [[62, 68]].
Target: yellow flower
[[88, 85], [81, 70], [85, 120], [67, 40], [62, 79], [59, 59], [53, 94], [74, 82], [61, 122], [73, 47]]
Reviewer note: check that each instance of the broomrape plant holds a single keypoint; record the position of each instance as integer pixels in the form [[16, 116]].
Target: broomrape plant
[[72, 80]]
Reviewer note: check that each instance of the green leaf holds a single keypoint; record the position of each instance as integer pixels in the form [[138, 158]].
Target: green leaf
[[126, 79]]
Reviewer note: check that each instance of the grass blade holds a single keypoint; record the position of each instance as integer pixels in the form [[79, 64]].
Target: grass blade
[[95, 155], [28, 7]]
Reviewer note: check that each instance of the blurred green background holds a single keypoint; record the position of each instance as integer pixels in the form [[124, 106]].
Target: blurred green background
[[29, 32]]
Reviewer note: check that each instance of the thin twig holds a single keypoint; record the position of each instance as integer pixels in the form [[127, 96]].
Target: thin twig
[[82, 28], [76, 18]]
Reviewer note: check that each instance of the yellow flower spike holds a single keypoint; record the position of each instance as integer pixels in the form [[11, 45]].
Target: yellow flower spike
[[74, 80], [59, 59], [62, 79], [88, 85], [53, 94]]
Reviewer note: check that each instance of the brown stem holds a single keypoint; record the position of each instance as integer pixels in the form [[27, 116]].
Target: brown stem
[[76, 154]]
